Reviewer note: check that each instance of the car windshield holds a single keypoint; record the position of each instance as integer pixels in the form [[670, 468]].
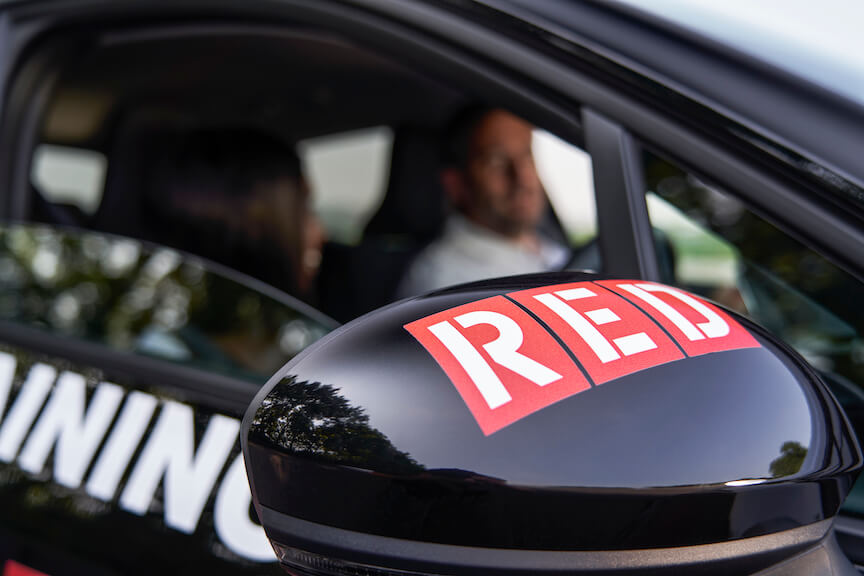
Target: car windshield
[[822, 46]]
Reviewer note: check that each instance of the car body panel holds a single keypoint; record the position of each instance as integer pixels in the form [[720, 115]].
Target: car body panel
[[119, 423]]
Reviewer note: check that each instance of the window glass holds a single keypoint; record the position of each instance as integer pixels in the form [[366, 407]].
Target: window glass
[[348, 175], [728, 254], [138, 298], [72, 176], [569, 181]]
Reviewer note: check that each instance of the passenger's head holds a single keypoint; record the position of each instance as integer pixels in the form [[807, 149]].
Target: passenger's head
[[238, 196], [490, 175]]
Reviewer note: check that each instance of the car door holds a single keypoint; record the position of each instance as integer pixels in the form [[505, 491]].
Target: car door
[[563, 84], [125, 368]]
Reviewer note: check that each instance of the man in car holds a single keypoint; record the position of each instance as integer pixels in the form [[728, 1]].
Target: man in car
[[492, 184]]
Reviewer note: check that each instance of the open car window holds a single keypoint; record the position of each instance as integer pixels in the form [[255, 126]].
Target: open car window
[[727, 253], [135, 297], [368, 128]]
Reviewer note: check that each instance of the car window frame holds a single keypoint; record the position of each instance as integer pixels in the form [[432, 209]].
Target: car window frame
[[523, 98]]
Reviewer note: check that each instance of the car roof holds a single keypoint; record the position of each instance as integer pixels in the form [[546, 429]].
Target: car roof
[[822, 46]]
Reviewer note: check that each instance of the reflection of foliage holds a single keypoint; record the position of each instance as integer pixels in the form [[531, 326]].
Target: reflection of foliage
[[791, 290], [790, 461], [129, 296], [313, 420], [759, 242]]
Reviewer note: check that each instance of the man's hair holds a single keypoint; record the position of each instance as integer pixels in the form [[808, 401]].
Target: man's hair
[[457, 136]]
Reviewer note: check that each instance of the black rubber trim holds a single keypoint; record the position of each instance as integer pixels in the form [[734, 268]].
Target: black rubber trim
[[751, 554], [623, 227], [219, 391]]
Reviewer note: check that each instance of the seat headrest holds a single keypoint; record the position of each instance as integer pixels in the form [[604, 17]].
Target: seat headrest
[[414, 204]]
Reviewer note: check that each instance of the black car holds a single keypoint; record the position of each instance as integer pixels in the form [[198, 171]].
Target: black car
[[132, 342]]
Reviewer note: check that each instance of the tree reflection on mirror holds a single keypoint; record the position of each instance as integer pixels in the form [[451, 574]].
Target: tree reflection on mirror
[[791, 458], [312, 419]]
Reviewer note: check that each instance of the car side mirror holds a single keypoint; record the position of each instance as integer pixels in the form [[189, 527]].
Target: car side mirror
[[550, 424]]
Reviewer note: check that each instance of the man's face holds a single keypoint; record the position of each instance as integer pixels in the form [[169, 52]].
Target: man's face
[[503, 192]]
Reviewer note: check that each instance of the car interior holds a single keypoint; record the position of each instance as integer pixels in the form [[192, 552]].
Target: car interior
[[128, 95]]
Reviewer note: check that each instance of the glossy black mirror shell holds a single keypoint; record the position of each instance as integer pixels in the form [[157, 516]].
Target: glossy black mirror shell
[[366, 433]]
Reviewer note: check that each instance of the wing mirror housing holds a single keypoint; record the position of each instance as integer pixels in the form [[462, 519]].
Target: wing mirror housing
[[550, 424]]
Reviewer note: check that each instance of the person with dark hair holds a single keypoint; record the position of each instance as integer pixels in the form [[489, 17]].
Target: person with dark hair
[[491, 181], [238, 197]]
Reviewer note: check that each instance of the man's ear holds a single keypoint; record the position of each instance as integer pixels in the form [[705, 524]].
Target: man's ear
[[453, 182]]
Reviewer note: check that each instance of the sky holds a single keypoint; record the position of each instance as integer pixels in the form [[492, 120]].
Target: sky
[[821, 41]]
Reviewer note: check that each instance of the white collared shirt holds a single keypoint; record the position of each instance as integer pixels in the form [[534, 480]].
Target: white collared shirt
[[466, 252]]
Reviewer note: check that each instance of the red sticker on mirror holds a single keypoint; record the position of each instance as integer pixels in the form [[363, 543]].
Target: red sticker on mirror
[[13, 568], [507, 364], [609, 336], [504, 364], [698, 326]]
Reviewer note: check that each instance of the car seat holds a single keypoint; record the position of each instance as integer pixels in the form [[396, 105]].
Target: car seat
[[357, 279]]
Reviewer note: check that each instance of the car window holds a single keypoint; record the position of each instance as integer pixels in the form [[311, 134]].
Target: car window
[[73, 177], [727, 253], [134, 297], [566, 174], [347, 173], [152, 165]]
